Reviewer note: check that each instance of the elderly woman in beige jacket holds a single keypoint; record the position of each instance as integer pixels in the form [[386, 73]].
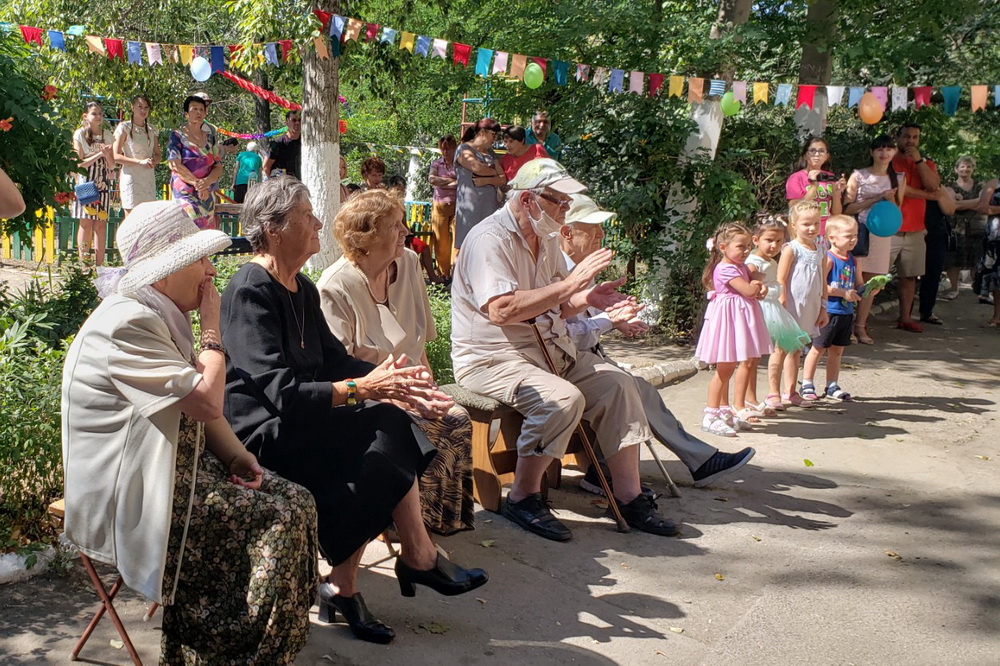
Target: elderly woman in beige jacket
[[375, 302], [229, 549]]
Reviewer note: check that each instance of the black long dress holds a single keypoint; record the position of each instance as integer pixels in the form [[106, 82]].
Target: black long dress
[[359, 461]]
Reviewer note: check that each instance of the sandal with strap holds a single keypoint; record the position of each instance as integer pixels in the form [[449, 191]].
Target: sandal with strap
[[774, 402], [765, 410], [861, 333], [796, 399], [809, 391], [834, 391], [910, 325], [734, 421], [719, 427], [749, 415]]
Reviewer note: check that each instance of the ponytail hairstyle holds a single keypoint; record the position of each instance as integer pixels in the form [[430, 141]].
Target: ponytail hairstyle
[[85, 125], [801, 164], [485, 124], [770, 222], [723, 234], [132, 117], [797, 208]]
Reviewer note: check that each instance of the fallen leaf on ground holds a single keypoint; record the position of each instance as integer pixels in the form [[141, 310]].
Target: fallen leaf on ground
[[677, 630], [488, 520], [625, 566], [849, 366], [662, 654], [983, 457], [327, 657], [871, 424], [893, 554], [116, 644], [482, 601], [755, 537], [435, 627], [720, 499], [719, 577], [899, 439], [488, 543], [807, 462]]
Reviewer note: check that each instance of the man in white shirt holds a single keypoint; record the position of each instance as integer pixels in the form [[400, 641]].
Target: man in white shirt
[[511, 271], [580, 237]]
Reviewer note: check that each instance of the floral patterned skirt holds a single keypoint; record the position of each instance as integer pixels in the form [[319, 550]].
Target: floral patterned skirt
[[446, 497], [248, 568]]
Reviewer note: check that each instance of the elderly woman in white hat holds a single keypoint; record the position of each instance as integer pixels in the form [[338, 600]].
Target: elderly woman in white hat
[[229, 549]]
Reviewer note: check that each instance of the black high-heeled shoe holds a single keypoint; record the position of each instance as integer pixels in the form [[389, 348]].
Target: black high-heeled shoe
[[445, 578], [363, 625]]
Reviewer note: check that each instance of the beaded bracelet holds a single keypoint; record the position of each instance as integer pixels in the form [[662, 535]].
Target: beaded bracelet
[[212, 346]]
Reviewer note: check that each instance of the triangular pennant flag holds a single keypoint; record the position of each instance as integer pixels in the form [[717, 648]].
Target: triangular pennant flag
[[500, 63], [835, 95], [996, 95], [134, 53], [371, 31], [716, 88], [115, 48], [560, 72], [218, 59], [655, 83], [761, 92], [696, 87], [740, 91], [783, 95], [388, 36], [423, 45], [979, 94], [153, 54], [517, 65], [676, 87], [483, 58], [337, 24], [406, 41], [582, 72], [806, 95], [353, 30], [324, 19], [322, 52], [616, 80], [636, 81], [186, 52], [898, 98], [286, 48], [440, 49], [271, 53], [31, 35], [600, 77], [951, 96], [922, 96], [57, 40], [235, 48], [854, 96], [95, 45], [882, 95], [541, 63], [460, 54]]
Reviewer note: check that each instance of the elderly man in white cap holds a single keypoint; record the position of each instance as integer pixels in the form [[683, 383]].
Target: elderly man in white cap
[[510, 271], [580, 237]]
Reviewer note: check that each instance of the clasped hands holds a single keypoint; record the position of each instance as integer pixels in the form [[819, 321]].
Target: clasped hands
[[408, 387], [605, 296]]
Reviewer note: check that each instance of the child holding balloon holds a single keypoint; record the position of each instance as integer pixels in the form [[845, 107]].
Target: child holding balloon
[[865, 188]]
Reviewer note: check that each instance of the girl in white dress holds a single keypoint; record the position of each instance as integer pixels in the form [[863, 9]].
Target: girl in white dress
[[137, 149]]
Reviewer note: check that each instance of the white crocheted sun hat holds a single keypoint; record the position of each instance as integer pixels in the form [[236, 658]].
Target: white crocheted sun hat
[[159, 238]]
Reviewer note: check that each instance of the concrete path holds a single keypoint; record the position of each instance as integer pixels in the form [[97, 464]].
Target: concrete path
[[881, 549]]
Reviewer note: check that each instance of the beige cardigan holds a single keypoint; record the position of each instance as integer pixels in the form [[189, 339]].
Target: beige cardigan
[[370, 331]]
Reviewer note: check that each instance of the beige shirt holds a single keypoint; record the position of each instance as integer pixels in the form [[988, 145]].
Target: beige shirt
[[372, 331], [496, 260], [122, 379]]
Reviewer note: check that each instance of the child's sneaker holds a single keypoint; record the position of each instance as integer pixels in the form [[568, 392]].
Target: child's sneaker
[[834, 391]]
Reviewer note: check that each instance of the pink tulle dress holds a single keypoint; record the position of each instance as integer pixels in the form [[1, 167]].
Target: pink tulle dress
[[734, 329]]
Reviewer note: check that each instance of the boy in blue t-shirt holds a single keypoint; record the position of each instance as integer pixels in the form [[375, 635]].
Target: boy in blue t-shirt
[[843, 288]]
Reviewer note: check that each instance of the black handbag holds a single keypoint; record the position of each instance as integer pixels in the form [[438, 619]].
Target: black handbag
[[864, 235]]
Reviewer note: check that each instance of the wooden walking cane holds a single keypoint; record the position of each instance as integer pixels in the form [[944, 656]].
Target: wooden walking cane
[[587, 447]]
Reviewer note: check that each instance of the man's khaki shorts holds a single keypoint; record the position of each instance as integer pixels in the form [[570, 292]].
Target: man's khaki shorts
[[910, 251]]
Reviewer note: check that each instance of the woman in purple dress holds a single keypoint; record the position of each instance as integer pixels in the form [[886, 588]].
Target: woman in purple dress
[[196, 169]]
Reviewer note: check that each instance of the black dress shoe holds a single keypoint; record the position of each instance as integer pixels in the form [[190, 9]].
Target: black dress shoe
[[445, 578], [363, 625]]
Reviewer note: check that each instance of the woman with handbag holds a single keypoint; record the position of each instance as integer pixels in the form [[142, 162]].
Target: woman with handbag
[[137, 149], [865, 188], [92, 143]]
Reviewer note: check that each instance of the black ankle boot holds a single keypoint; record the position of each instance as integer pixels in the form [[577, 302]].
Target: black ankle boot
[[445, 578], [363, 625]]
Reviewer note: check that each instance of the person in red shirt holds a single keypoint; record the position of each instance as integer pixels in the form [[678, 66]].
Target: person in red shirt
[[909, 249], [519, 153]]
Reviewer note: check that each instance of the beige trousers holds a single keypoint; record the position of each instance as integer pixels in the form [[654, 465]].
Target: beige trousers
[[586, 387]]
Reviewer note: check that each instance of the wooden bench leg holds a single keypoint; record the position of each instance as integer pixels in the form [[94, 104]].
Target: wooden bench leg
[[485, 480], [107, 597]]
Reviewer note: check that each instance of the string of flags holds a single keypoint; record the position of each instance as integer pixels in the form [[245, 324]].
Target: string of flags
[[337, 31]]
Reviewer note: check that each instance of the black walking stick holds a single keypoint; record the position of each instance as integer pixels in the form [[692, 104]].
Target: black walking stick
[[587, 447]]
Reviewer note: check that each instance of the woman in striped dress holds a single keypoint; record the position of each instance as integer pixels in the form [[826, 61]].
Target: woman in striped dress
[[93, 145]]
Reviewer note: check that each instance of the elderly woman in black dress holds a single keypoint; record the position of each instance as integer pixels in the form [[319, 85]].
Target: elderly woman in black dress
[[324, 419]]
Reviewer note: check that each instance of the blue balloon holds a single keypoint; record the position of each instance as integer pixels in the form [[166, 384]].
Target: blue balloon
[[884, 219]]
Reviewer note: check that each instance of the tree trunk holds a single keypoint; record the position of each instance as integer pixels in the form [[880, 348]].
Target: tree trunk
[[261, 107], [816, 65], [321, 142]]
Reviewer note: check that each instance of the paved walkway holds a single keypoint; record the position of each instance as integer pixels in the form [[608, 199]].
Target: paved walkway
[[881, 549]]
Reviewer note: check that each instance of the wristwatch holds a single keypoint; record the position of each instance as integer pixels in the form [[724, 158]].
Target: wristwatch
[[352, 392]]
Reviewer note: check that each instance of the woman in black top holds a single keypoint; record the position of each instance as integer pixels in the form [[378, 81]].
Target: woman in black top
[[324, 419]]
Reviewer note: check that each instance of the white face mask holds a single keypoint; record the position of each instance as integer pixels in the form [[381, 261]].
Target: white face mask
[[545, 226]]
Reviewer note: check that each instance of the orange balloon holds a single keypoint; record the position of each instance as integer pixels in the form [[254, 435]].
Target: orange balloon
[[870, 109]]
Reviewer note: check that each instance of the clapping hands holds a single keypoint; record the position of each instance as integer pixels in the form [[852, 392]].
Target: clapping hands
[[410, 387]]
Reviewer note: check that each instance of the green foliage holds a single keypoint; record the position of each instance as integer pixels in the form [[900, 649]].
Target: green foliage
[[439, 349]]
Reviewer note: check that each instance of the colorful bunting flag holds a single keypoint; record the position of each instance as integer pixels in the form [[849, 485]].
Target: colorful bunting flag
[[716, 88], [95, 45], [423, 45], [115, 48], [979, 94], [186, 52], [806, 96], [996, 95], [951, 96], [31, 35], [783, 95], [500, 63], [134, 53], [898, 98], [560, 72], [483, 58], [517, 65], [835, 95], [740, 91], [271, 53], [337, 27], [218, 59], [655, 83], [460, 54], [57, 40], [153, 54], [761, 91], [172, 53], [371, 31], [616, 80], [324, 19], [319, 43], [541, 63], [582, 72], [696, 87], [882, 95], [286, 48], [635, 82], [388, 36], [353, 30], [854, 96], [600, 77], [676, 87], [922, 96], [406, 41], [440, 49]]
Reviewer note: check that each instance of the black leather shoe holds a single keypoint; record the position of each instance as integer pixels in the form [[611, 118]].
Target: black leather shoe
[[363, 625], [532, 513], [445, 578]]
